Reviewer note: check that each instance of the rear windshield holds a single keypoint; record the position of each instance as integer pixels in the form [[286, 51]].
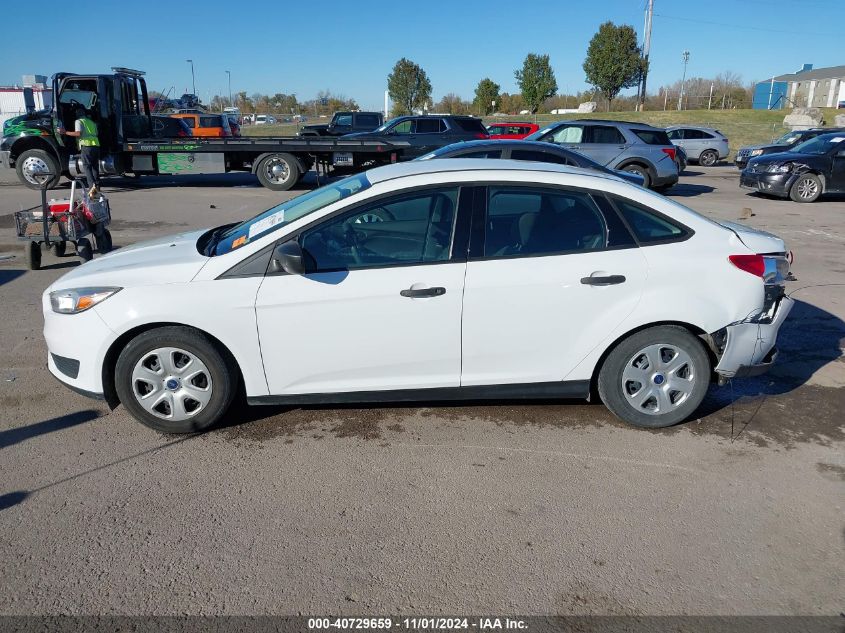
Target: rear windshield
[[653, 137], [471, 125], [287, 212]]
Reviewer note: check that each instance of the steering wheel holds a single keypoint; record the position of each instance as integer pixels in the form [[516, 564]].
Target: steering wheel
[[379, 214]]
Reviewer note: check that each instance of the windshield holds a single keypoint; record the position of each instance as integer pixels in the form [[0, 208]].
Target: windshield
[[85, 98], [787, 139], [285, 213], [819, 145], [387, 124]]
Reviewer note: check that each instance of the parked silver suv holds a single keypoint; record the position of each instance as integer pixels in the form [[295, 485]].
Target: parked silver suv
[[703, 145], [634, 147]]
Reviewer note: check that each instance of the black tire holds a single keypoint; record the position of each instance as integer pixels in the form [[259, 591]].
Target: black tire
[[32, 255], [806, 188], [641, 171], [613, 388], [58, 248], [223, 377], [104, 243], [708, 158], [278, 172], [38, 158], [84, 250]]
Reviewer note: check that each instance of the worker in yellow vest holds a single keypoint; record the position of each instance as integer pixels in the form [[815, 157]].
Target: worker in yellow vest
[[89, 146]]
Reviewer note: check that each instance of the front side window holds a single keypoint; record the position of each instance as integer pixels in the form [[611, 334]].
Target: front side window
[[675, 135], [285, 213], [540, 157], [819, 145], [524, 221], [566, 134], [403, 127], [344, 119], [497, 129], [412, 228]]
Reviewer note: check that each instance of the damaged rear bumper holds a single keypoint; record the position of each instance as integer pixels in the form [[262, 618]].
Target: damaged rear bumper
[[749, 348]]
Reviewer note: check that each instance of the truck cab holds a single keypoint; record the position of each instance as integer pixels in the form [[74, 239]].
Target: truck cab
[[118, 103]]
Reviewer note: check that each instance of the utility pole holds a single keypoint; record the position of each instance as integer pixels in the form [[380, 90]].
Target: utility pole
[[229, 74], [193, 79], [649, 13], [710, 99], [685, 57]]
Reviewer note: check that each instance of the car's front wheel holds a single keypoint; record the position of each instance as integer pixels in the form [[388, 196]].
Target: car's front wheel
[[175, 380], [807, 188], [656, 377]]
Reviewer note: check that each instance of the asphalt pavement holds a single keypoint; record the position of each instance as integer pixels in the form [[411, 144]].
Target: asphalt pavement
[[543, 508]]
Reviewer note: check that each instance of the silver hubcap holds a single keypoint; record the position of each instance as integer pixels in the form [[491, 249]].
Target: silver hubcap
[[35, 170], [658, 379], [277, 170], [807, 188], [171, 383], [708, 158]]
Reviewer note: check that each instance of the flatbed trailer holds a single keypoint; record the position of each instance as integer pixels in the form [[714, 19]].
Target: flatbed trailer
[[118, 102]]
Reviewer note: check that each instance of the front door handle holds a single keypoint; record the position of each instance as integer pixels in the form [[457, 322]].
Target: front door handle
[[610, 280], [414, 293]]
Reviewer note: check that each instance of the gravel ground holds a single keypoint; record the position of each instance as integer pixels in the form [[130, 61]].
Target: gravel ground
[[543, 508]]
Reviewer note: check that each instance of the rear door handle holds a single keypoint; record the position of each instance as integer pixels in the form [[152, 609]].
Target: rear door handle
[[610, 280], [423, 292]]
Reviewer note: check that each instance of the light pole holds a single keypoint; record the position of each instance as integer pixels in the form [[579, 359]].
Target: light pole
[[685, 57], [193, 79], [229, 74]]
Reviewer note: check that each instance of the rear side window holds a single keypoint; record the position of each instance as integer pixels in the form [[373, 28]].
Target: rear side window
[[190, 122], [606, 134], [368, 120], [470, 125], [428, 126], [541, 157], [211, 121], [652, 137], [649, 226]]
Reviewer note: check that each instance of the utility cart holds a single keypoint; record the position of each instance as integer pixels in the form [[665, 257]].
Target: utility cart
[[60, 222]]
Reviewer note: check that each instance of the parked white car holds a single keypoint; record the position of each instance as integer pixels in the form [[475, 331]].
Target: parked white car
[[442, 279], [264, 119]]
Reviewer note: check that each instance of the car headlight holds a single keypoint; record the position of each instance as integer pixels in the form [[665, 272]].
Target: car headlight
[[780, 169], [76, 300], [756, 152]]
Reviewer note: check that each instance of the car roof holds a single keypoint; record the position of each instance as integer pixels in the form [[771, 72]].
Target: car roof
[[691, 127], [512, 123], [462, 145], [611, 122], [422, 167]]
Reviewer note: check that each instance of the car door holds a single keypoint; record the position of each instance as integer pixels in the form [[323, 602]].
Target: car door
[[552, 271], [603, 143], [570, 136], [428, 135], [837, 175], [380, 307]]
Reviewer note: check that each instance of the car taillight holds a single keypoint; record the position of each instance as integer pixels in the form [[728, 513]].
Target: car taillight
[[669, 151], [482, 135], [753, 264]]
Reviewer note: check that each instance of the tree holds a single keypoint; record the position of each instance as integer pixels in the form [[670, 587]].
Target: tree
[[536, 80], [486, 92], [452, 104], [408, 86], [613, 60]]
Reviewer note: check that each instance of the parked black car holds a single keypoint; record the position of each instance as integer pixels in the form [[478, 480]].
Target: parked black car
[[526, 150], [784, 143], [425, 133], [345, 123], [803, 173]]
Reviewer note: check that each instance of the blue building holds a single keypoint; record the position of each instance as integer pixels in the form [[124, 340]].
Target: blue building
[[822, 88]]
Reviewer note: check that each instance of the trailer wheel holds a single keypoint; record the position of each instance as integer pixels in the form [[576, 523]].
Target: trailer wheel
[[58, 248], [104, 243], [32, 254], [32, 164], [278, 172]]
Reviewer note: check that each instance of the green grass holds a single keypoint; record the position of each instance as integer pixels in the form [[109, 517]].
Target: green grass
[[742, 127]]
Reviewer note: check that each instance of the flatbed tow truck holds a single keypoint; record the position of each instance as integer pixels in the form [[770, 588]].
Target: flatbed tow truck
[[33, 147]]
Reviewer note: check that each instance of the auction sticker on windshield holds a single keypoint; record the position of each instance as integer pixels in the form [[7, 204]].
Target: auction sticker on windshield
[[266, 224]]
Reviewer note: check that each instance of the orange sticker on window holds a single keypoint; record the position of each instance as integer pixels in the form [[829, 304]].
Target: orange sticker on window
[[239, 242]]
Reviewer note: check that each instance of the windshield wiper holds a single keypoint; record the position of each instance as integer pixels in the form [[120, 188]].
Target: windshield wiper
[[214, 239]]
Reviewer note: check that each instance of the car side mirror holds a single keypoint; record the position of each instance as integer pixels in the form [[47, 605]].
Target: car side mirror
[[289, 257]]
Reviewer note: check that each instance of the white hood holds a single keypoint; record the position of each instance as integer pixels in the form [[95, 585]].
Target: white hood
[[170, 259], [755, 239]]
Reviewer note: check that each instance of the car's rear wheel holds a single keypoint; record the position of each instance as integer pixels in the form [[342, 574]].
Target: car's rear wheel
[[807, 188], [656, 377], [708, 158], [174, 380], [640, 171]]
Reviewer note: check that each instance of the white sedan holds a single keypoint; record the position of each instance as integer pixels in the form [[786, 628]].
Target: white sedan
[[432, 280]]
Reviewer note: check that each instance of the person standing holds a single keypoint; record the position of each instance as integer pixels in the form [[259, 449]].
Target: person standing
[[89, 146]]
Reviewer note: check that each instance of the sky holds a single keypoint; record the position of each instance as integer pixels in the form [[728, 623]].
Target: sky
[[349, 47]]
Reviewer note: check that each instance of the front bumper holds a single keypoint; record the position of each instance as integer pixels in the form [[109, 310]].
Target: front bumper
[[750, 347], [766, 182]]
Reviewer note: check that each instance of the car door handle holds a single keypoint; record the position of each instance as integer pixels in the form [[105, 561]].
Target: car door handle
[[414, 293], [610, 280]]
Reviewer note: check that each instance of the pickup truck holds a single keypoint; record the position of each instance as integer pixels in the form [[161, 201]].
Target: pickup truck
[[118, 102], [345, 123]]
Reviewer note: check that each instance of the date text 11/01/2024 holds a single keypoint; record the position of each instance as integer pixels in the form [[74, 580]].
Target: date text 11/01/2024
[[412, 624]]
